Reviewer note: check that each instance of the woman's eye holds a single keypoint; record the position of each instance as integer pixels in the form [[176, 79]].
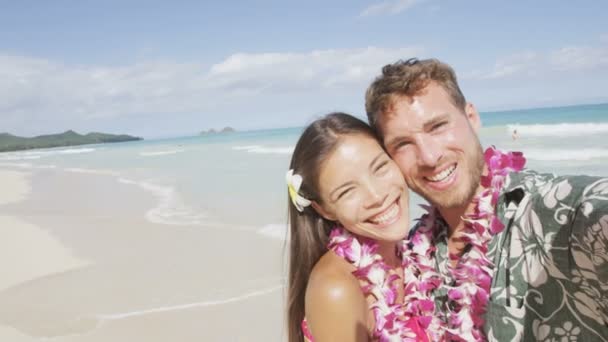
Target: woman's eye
[[344, 193], [382, 166]]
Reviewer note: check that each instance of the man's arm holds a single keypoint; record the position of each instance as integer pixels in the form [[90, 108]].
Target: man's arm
[[590, 246]]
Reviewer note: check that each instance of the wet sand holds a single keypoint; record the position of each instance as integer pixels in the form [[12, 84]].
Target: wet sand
[[81, 263]]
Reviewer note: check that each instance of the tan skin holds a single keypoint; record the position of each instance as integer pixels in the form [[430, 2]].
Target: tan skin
[[336, 308], [428, 137], [360, 197]]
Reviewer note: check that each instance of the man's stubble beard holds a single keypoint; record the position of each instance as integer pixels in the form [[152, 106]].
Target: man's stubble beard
[[462, 197]]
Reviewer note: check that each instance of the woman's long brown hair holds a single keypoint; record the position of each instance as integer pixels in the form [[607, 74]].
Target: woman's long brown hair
[[309, 232]]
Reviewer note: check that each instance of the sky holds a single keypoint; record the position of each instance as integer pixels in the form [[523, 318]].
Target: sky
[[175, 68]]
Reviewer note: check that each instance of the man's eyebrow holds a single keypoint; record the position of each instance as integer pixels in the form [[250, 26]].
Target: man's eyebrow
[[434, 120], [426, 126]]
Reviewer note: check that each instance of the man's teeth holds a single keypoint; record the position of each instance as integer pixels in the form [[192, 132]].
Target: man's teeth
[[387, 216], [442, 175]]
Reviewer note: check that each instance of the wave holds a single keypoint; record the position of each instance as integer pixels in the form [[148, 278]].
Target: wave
[[91, 171], [560, 129], [159, 153], [170, 209], [37, 154], [275, 230], [28, 166], [18, 157], [247, 147], [251, 294], [85, 325], [264, 149], [76, 150], [564, 154]]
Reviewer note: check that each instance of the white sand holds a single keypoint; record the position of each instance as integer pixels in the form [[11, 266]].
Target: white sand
[[145, 281], [26, 251], [14, 185]]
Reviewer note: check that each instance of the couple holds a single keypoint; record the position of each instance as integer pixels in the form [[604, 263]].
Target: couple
[[504, 253]]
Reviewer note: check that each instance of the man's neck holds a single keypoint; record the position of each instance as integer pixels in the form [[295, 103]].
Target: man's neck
[[387, 249], [454, 218]]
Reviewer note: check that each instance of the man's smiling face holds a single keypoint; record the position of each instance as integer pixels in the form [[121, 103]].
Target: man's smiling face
[[435, 145]]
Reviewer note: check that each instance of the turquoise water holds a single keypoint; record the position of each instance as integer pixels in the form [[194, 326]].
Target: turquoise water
[[238, 178]]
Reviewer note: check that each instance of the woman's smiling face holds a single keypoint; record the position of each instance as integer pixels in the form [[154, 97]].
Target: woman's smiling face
[[364, 190]]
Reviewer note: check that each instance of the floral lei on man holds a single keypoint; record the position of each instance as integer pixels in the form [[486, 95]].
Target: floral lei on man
[[472, 275]]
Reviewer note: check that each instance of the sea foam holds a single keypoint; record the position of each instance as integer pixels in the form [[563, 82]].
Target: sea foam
[[37, 154], [265, 149], [583, 154], [276, 231], [560, 129], [170, 209], [159, 153]]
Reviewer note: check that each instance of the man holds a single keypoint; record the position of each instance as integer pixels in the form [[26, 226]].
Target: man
[[546, 264]]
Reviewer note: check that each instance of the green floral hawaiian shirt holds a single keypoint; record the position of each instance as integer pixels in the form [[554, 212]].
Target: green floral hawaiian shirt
[[551, 275]]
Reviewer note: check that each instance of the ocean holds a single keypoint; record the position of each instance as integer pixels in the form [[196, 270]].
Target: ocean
[[237, 180]]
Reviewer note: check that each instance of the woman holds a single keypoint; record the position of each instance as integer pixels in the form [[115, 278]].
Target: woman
[[348, 217]]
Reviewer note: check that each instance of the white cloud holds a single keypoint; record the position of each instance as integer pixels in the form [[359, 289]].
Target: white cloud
[[389, 7], [513, 64], [532, 64], [435, 8], [297, 71], [35, 89], [579, 58]]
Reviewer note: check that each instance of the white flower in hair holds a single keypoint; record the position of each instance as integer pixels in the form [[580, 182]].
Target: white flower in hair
[[294, 182]]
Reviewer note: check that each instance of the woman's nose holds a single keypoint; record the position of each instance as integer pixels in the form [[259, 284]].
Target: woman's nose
[[375, 197]]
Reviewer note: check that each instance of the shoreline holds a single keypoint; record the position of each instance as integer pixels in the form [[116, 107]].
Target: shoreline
[[26, 239], [112, 275]]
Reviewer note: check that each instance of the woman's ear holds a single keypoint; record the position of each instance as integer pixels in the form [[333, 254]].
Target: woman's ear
[[321, 211]]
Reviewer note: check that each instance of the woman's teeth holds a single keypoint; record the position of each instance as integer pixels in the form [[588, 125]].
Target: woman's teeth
[[387, 216], [442, 175]]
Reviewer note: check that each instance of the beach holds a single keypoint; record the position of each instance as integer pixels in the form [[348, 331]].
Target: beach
[[183, 239], [89, 266]]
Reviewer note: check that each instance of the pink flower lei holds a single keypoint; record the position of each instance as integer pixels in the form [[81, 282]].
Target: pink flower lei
[[472, 274]]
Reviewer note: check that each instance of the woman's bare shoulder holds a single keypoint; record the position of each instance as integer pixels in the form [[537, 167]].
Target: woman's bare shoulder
[[335, 305], [331, 280]]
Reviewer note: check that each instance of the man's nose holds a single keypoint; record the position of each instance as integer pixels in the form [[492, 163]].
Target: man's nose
[[429, 152]]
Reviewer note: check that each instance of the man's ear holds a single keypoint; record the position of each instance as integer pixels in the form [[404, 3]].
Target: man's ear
[[473, 116], [321, 211]]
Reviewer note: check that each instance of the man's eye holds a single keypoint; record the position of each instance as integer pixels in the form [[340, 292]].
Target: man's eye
[[438, 125], [401, 144]]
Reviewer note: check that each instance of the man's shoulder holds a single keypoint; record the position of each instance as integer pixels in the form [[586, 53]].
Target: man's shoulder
[[540, 183], [545, 192]]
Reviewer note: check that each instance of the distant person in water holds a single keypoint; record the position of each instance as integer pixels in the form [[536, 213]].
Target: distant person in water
[[521, 255], [349, 217], [514, 135]]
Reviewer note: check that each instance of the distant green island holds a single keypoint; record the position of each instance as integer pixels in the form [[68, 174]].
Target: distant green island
[[9, 142], [222, 131]]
